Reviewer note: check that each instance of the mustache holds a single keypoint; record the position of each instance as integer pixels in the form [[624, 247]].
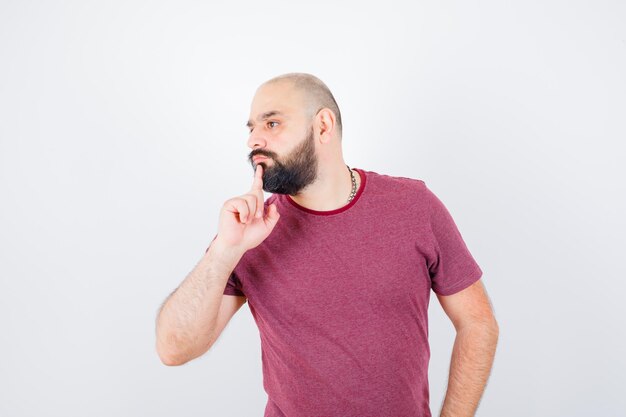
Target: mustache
[[262, 153]]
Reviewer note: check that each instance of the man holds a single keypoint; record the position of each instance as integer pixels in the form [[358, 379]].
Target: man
[[337, 267]]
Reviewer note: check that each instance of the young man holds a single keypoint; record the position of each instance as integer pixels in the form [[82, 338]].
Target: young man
[[337, 267]]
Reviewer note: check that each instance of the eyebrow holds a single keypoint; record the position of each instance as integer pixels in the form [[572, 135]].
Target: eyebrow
[[265, 116]]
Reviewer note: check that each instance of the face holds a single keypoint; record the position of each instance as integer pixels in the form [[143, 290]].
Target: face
[[278, 120], [291, 173]]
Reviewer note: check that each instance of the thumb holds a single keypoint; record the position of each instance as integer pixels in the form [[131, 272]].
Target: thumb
[[272, 215]]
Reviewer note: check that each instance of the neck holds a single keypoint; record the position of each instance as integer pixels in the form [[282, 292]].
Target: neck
[[330, 190]]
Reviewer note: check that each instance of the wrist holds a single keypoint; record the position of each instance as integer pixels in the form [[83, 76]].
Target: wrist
[[224, 254]]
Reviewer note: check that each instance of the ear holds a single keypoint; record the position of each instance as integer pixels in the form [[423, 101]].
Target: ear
[[325, 124]]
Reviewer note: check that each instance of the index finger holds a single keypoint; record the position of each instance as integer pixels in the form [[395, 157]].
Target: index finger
[[257, 183]]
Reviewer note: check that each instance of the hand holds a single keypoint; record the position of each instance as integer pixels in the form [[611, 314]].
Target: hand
[[243, 223]]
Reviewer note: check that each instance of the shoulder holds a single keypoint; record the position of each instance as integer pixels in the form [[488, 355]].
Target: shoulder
[[405, 195], [396, 183]]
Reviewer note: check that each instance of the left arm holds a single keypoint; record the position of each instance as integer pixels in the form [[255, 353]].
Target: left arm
[[474, 349]]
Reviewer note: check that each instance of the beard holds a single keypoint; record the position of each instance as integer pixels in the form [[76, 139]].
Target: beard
[[298, 170]]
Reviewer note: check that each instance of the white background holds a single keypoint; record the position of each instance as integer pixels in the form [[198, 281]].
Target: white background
[[122, 131]]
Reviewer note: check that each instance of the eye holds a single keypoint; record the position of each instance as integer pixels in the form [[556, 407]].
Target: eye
[[271, 122]]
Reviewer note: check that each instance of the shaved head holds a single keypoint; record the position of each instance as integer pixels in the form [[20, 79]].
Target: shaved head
[[316, 95]]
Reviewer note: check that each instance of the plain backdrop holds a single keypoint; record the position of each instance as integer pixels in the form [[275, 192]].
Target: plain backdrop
[[122, 131]]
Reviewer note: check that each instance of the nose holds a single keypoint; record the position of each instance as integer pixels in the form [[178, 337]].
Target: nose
[[256, 140]]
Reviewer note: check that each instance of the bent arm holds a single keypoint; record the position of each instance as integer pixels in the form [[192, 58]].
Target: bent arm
[[472, 358], [186, 322], [474, 349]]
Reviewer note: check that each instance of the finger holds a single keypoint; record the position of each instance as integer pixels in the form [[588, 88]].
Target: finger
[[251, 201], [272, 215], [259, 205], [258, 178], [239, 206], [257, 183]]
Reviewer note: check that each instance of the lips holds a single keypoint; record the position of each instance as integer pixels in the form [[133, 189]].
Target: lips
[[259, 158]]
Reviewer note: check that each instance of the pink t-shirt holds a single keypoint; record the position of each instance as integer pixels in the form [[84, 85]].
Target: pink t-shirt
[[341, 297]]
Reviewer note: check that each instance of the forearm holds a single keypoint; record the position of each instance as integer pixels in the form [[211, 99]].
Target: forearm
[[472, 358], [187, 318]]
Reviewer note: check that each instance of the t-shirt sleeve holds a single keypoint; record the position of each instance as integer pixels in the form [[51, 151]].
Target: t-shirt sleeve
[[453, 268], [233, 285]]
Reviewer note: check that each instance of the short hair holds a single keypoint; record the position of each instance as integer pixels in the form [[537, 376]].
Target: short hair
[[316, 93]]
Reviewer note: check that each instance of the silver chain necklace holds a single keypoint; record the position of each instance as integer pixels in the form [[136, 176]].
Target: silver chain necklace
[[353, 185]]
